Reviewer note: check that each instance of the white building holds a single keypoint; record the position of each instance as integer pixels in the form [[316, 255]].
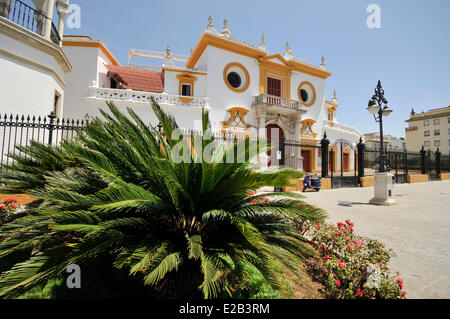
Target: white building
[[33, 65], [246, 89]]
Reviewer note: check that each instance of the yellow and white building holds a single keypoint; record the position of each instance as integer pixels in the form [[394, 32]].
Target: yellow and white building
[[246, 89], [429, 129]]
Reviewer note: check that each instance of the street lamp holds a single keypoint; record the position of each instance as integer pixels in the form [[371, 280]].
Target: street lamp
[[375, 108], [383, 179]]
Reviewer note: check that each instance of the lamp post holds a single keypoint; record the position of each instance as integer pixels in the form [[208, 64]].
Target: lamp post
[[375, 107], [383, 179]]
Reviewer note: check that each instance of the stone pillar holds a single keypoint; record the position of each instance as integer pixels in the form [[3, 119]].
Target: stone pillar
[[383, 189], [324, 143], [260, 119], [5, 5], [48, 12], [297, 138], [361, 148], [63, 10]]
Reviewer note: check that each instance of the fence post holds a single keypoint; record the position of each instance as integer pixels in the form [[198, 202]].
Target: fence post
[[422, 161], [51, 127], [406, 165], [324, 143], [361, 148], [438, 162]]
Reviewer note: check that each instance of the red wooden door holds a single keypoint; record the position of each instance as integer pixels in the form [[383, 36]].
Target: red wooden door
[[346, 162], [274, 86], [306, 154], [273, 130]]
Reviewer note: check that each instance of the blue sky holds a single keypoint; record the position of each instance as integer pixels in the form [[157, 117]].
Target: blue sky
[[410, 53]]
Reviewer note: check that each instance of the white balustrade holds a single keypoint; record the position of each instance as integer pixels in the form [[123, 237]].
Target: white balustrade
[[145, 97], [278, 101]]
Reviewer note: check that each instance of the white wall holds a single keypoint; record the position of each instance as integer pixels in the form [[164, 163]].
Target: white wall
[[85, 69], [26, 88], [221, 97]]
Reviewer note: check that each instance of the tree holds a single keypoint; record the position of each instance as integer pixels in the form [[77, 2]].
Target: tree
[[127, 204]]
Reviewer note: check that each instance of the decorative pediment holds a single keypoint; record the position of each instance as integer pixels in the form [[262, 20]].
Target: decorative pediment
[[236, 120], [307, 130]]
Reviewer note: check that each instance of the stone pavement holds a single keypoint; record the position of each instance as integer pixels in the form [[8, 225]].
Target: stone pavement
[[417, 229]]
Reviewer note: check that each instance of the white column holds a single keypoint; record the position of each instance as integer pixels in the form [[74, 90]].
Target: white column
[[48, 12], [298, 138], [261, 120]]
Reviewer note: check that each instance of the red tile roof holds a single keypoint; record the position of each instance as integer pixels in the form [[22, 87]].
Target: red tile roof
[[138, 79]]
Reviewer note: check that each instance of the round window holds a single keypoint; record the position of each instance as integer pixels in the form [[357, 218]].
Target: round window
[[234, 79], [306, 94]]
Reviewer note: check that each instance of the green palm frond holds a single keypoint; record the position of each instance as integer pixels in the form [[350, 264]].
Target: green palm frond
[[116, 194]]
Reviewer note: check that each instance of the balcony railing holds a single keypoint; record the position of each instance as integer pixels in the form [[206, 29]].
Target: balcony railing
[[277, 101], [28, 18], [144, 97], [412, 128]]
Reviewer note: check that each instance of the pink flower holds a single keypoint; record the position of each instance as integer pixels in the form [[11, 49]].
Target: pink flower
[[324, 247], [326, 257], [403, 294], [341, 264], [348, 239], [338, 282], [399, 282], [318, 224], [349, 246]]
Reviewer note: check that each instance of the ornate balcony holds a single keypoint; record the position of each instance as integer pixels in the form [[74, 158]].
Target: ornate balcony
[[29, 18], [131, 96], [277, 103]]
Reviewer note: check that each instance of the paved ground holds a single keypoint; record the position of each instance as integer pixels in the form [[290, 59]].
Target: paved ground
[[417, 229]]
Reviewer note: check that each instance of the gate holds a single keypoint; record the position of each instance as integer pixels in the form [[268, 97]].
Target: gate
[[346, 175]]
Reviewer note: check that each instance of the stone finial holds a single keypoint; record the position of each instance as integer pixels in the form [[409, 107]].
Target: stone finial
[[225, 31], [288, 51], [323, 65], [210, 26], [412, 111], [168, 60], [263, 42], [334, 99], [210, 21]]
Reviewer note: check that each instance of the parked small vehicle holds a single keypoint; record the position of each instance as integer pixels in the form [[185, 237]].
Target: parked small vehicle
[[312, 182]]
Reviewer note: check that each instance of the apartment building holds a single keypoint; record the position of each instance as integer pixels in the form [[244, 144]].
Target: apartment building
[[430, 129]]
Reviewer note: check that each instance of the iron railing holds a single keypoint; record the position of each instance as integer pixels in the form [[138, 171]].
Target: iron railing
[[29, 18], [18, 130]]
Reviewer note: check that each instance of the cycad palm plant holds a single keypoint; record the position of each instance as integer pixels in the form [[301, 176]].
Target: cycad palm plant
[[180, 227]]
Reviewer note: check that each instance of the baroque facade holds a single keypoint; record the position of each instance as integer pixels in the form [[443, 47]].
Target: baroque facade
[[246, 90]]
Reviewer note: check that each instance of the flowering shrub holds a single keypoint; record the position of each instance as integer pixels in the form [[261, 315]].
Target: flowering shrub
[[7, 207], [352, 266]]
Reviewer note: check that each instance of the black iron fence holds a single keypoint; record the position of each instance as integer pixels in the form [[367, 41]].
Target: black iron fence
[[28, 18], [19, 130]]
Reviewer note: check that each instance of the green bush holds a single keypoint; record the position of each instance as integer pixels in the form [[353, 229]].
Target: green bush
[[353, 266]]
